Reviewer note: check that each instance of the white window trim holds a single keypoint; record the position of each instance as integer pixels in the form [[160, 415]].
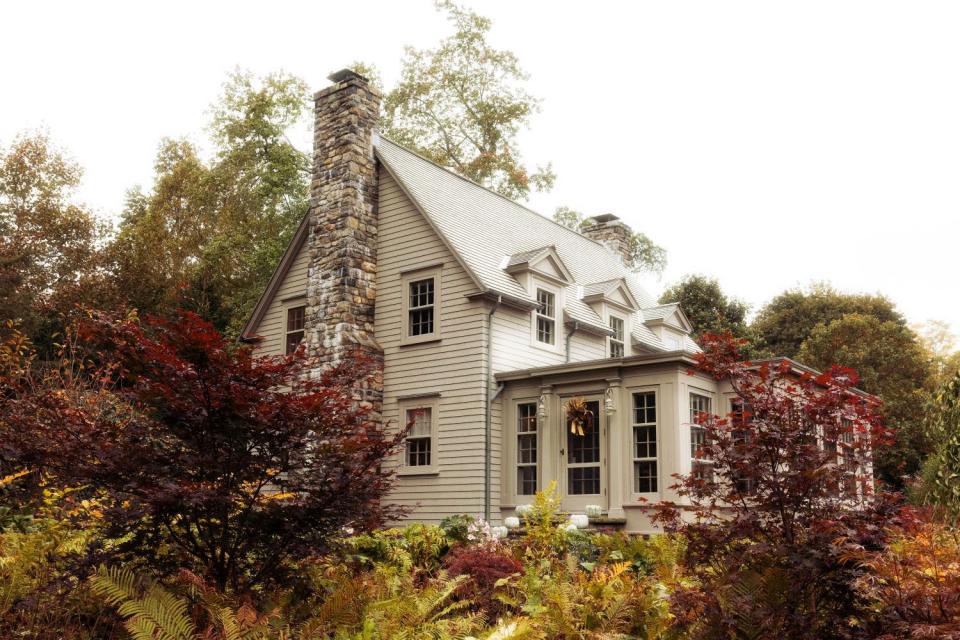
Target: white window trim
[[514, 449], [626, 334], [288, 304], [557, 346], [405, 280], [631, 453], [403, 406]]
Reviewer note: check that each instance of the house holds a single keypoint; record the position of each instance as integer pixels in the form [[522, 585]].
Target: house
[[486, 319]]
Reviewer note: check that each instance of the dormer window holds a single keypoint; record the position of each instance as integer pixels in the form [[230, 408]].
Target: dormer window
[[616, 340], [546, 317]]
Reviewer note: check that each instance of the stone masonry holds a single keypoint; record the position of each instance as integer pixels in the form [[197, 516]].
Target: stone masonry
[[341, 278], [608, 230]]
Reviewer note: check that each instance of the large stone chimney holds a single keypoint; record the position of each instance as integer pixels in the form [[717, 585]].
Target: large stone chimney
[[608, 230], [341, 280]]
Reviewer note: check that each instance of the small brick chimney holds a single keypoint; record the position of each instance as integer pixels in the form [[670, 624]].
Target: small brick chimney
[[608, 230], [341, 279]]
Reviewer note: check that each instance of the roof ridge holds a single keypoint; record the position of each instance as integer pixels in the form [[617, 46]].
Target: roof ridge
[[487, 189]]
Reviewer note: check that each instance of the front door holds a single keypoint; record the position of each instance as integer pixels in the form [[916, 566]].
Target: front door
[[582, 457]]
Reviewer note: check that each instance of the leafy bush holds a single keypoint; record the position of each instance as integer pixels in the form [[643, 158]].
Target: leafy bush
[[485, 568], [457, 527]]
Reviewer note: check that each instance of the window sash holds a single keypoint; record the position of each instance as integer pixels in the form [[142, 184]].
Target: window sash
[[546, 317], [421, 306], [527, 449], [419, 442], [296, 321], [644, 449]]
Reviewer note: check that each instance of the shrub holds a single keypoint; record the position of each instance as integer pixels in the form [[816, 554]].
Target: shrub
[[208, 457], [485, 568], [457, 527]]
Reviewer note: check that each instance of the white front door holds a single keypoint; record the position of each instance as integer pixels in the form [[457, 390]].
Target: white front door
[[583, 464]]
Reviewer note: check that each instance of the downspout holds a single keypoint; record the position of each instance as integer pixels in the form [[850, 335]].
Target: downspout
[[576, 325], [488, 426]]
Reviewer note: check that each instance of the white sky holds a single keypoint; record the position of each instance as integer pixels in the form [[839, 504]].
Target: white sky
[[768, 144]]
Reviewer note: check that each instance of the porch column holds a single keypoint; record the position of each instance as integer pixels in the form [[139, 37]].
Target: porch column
[[616, 447], [547, 415]]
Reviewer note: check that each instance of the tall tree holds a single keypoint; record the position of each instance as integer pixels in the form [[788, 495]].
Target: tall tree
[[201, 454], [462, 105], [645, 254], [48, 241], [209, 233], [892, 364], [785, 322], [707, 306]]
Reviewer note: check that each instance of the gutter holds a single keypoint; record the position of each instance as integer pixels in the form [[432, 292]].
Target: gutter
[[488, 400]]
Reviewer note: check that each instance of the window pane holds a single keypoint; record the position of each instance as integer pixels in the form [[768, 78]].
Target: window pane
[[645, 442], [418, 452], [293, 341], [644, 408], [699, 405], [295, 318], [583, 481], [421, 293], [547, 303], [527, 417], [421, 321], [422, 420], [645, 474], [585, 448], [526, 481], [616, 349], [617, 325], [545, 330]]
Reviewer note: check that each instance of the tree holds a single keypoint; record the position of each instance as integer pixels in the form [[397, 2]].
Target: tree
[[785, 322], [940, 486], [763, 528], [892, 364], [462, 104], [201, 454], [645, 255], [48, 242], [215, 230], [707, 307]]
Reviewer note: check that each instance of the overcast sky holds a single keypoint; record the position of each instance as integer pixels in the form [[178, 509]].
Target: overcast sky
[[767, 144]]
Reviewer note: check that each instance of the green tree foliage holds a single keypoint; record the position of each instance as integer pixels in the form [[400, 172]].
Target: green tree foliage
[[645, 254], [462, 103], [785, 322], [707, 307], [48, 241], [210, 233], [892, 364], [940, 485]]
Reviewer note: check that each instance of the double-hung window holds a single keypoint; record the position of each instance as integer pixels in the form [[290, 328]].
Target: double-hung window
[[617, 339], [419, 445], [741, 415], [421, 306], [527, 449], [546, 317], [701, 407], [295, 327], [645, 442]]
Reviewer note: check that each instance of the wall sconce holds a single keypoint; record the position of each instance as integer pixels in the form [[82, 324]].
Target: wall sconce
[[609, 406], [542, 408]]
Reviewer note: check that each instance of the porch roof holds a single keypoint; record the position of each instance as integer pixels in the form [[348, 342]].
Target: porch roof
[[679, 357]]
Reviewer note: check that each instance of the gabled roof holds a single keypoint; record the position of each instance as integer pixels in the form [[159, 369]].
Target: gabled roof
[[544, 261], [483, 226], [615, 291], [670, 313]]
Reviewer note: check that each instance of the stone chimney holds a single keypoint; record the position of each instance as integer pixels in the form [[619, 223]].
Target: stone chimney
[[341, 279], [608, 230]]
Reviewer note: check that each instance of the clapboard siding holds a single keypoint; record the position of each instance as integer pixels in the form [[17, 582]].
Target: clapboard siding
[[273, 325], [452, 367]]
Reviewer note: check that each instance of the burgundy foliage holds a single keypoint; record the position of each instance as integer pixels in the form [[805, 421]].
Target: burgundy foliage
[[485, 567], [790, 487], [206, 456]]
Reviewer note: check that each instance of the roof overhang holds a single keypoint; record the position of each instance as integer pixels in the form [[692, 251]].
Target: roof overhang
[[677, 357]]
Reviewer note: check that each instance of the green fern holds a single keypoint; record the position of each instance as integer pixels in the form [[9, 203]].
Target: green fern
[[157, 614]]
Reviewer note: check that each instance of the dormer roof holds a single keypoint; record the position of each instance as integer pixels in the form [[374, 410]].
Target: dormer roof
[[543, 261], [667, 314], [616, 292]]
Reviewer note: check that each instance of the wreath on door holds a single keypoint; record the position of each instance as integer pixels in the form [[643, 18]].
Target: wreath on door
[[578, 414]]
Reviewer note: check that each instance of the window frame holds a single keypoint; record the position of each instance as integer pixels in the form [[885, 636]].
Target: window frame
[[557, 345], [288, 306], [657, 442], [404, 406], [406, 280], [611, 340], [538, 452], [696, 462]]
